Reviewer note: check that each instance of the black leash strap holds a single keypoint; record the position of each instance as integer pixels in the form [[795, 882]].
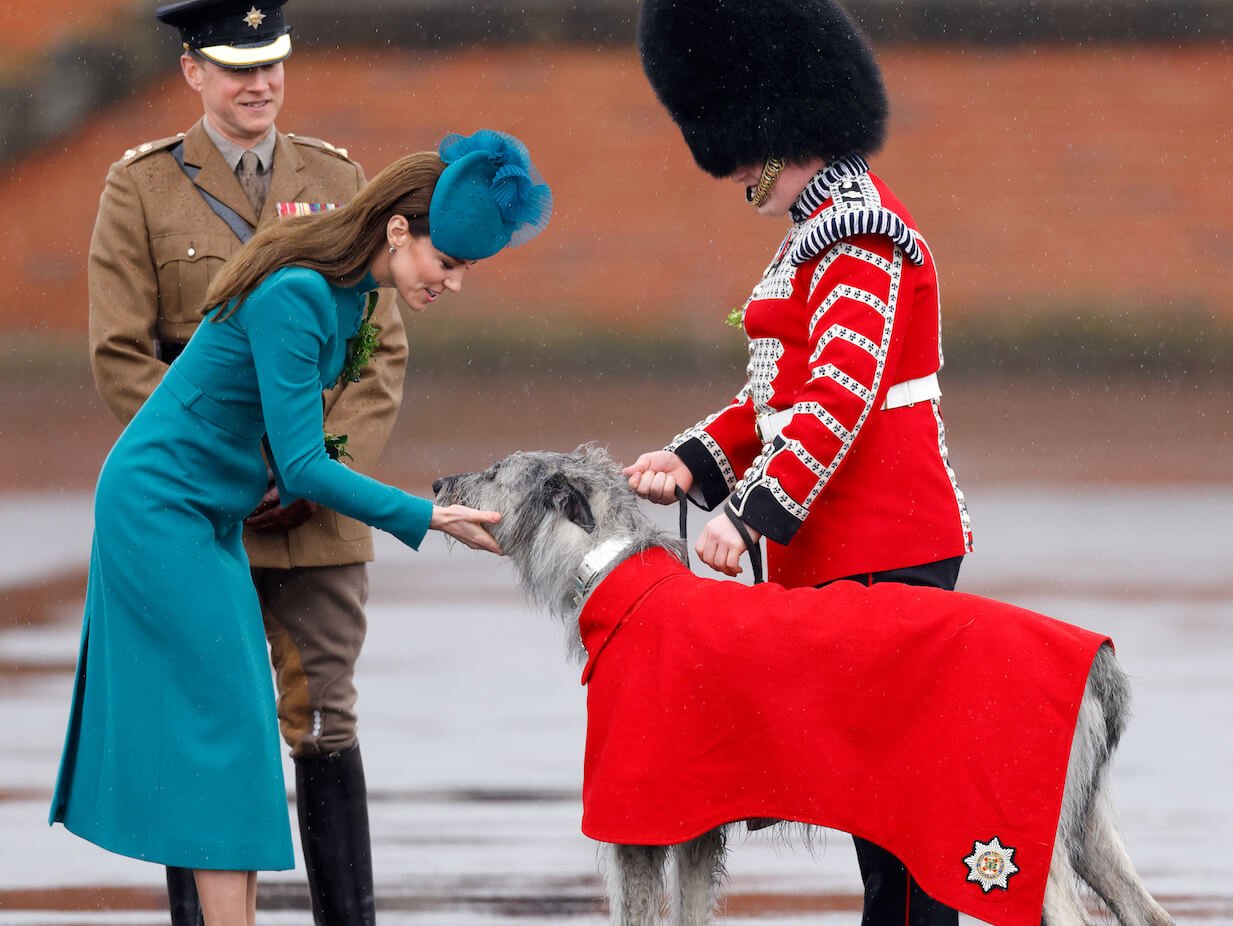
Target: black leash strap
[[236, 222], [683, 500], [755, 552]]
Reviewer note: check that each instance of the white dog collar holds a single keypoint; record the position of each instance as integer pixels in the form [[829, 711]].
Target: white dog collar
[[596, 562]]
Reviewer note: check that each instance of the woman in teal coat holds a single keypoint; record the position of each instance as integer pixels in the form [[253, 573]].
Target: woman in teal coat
[[172, 751]]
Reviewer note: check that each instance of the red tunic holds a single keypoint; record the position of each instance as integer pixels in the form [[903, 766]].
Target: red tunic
[[845, 486], [929, 722]]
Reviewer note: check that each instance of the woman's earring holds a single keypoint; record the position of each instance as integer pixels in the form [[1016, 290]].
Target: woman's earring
[[393, 249]]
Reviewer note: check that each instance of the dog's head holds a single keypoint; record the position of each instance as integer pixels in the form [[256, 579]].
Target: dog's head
[[531, 487], [555, 508]]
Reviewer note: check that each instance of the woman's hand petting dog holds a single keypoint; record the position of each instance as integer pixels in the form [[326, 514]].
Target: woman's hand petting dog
[[657, 475], [467, 526]]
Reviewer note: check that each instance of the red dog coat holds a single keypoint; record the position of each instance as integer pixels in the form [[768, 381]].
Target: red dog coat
[[935, 724]]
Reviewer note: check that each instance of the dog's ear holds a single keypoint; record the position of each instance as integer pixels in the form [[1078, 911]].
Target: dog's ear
[[570, 501], [592, 452]]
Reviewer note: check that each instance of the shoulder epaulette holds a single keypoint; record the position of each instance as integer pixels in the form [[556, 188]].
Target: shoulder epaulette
[[856, 209], [836, 223], [320, 144], [149, 147]]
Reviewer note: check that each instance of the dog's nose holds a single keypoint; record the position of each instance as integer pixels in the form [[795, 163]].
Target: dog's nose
[[436, 486]]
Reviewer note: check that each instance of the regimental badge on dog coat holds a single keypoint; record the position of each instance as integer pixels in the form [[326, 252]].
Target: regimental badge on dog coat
[[991, 864], [933, 723]]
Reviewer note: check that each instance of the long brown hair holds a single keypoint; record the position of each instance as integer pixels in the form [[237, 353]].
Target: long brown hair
[[339, 244]]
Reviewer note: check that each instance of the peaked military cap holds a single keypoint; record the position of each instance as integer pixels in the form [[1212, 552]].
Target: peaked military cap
[[747, 80], [231, 33]]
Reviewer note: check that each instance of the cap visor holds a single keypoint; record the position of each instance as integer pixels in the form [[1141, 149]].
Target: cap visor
[[231, 56]]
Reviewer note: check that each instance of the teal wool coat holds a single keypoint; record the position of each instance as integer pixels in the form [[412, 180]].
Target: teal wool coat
[[172, 750]]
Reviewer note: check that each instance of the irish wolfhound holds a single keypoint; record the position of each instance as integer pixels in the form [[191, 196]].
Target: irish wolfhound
[[570, 522]]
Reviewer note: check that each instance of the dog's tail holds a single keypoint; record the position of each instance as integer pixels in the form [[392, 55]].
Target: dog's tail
[[1109, 683]]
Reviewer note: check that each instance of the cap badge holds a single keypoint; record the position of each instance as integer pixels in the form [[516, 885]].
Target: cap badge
[[991, 864], [254, 18]]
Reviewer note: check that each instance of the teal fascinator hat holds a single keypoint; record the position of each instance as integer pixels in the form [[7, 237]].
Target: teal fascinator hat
[[488, 197]]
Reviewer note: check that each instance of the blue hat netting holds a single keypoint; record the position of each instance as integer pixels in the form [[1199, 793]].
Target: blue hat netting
[[518, 189]]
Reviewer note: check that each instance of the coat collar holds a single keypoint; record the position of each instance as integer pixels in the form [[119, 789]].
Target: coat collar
[[217, 179], [233, 152], [820, 187], [618, 594]]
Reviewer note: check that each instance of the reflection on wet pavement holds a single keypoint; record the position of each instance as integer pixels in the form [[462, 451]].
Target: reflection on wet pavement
[[472, 726]]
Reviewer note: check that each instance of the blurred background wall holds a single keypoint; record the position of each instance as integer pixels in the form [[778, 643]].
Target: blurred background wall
[[1067, 159]]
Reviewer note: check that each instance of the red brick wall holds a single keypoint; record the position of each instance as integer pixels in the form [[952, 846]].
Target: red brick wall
[[1047, 180], [30, 27]]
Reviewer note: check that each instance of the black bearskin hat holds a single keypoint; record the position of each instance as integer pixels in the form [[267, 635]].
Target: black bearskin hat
[[750, 79]]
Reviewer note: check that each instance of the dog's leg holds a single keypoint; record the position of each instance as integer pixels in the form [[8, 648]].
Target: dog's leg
[[1063, 905], [1107, 867], [634, 876], [1088, 833], [1088, 749], [699, 873]]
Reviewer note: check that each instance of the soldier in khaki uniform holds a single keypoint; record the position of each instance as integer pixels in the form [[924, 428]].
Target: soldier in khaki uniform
[[158, 240]]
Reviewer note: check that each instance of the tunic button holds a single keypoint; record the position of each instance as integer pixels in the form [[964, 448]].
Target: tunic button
[[192, 252]]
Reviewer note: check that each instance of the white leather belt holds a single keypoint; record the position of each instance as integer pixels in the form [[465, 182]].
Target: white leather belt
[[909, 392], [770, 426], [912, 391]]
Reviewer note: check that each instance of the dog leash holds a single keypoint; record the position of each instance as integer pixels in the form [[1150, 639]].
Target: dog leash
[[683, 501], [755, 552]]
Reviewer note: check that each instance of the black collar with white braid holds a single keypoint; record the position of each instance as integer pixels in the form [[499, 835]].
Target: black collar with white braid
[[846, 217], [818, 189]]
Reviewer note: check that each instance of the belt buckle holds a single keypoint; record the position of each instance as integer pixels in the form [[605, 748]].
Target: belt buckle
[[764, 428]]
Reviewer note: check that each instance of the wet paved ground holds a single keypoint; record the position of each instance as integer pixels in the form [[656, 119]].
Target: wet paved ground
[[473, 723]]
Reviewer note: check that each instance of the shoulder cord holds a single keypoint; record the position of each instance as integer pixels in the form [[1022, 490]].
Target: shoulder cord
[[755, 552]]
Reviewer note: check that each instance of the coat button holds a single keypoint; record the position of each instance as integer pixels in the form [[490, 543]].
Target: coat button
[[192, 252]]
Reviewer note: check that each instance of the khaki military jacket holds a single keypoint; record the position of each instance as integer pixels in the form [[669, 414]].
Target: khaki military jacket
[[155, 248]]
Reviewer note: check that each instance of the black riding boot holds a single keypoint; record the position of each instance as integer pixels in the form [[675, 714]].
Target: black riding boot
[[892, 896], [182, 898], [332, 801]]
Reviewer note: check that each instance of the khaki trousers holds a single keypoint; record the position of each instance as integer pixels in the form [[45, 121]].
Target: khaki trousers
[[315, 624]]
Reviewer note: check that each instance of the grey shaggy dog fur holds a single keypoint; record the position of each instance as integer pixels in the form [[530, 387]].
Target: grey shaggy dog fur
[[557, 507]]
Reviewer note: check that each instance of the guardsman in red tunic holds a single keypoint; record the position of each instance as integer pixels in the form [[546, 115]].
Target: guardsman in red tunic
[[834, 449]]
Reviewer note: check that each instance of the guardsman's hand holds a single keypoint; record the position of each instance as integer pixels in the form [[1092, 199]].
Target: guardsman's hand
[[268, 516], [721, 547], [657, 476]]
